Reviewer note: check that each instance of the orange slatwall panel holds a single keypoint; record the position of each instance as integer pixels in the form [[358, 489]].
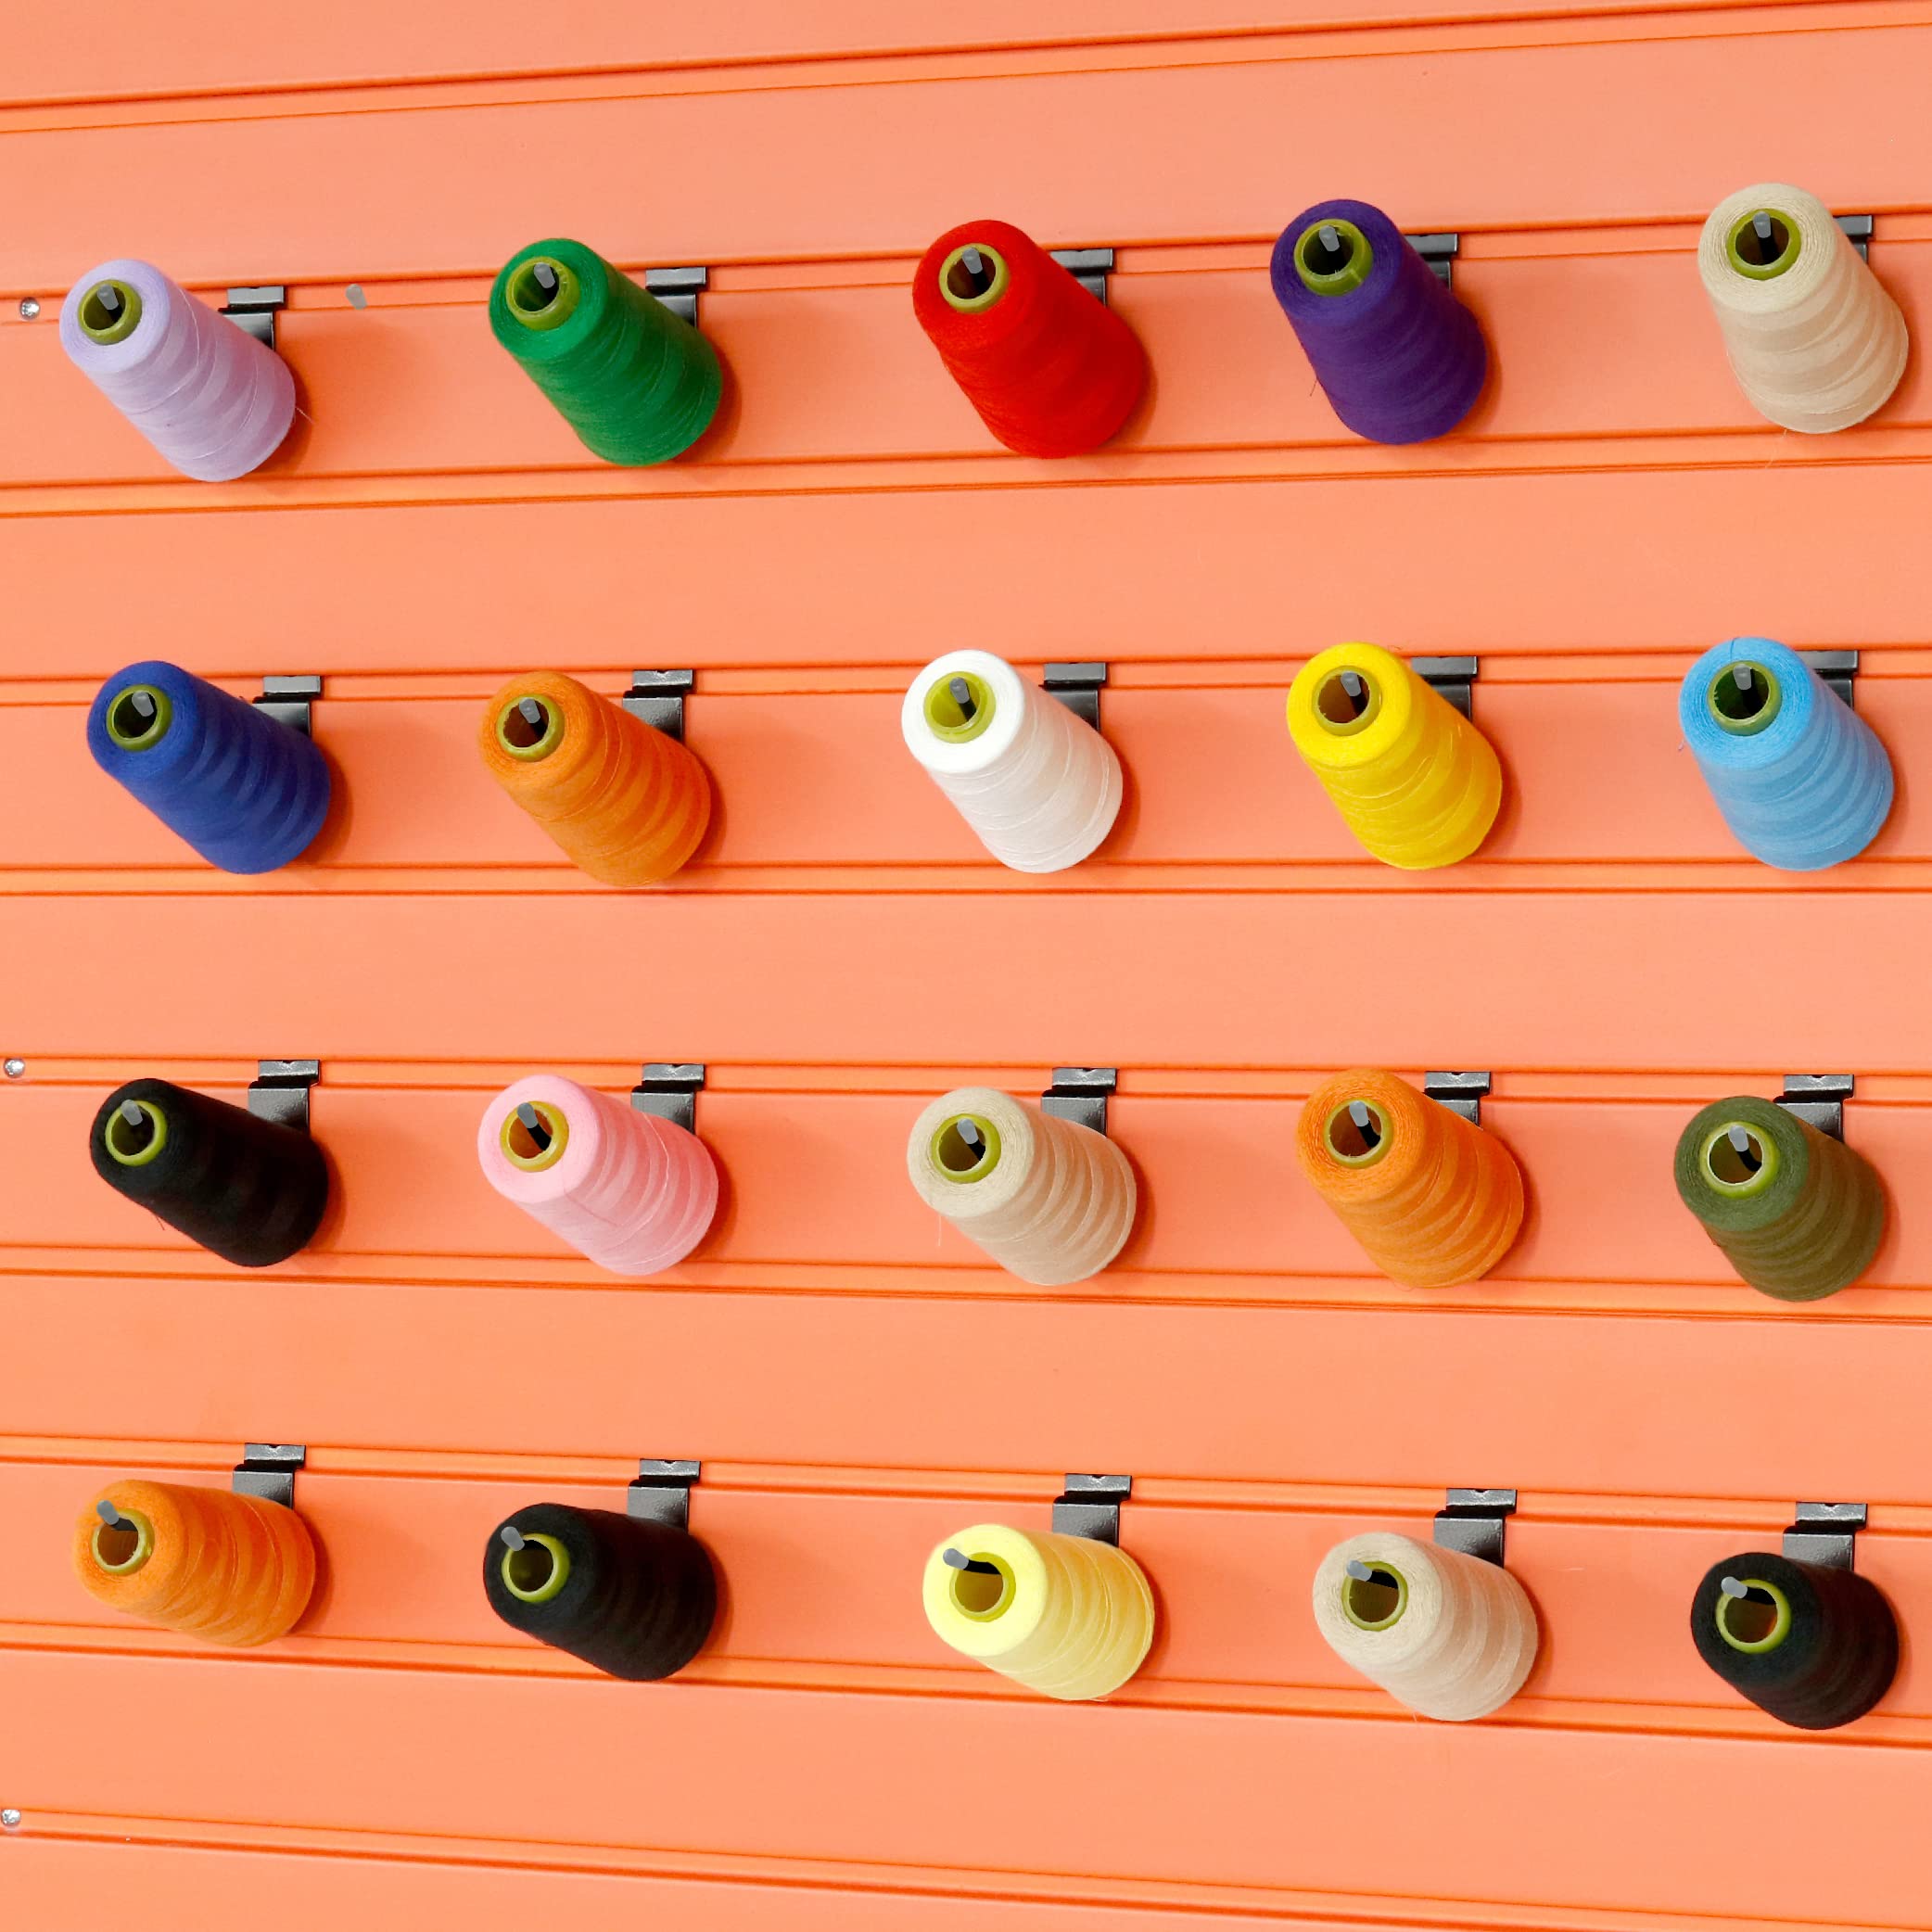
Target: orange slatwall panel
[[855, 1380], [226, 46]]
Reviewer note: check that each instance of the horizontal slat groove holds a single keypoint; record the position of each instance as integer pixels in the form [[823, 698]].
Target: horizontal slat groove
[[1500, 991], [1528, 1713], [1007, 1490], [1240, 1392], [1227, 1776], [511, 1874], [228, 57], [1180, 562]]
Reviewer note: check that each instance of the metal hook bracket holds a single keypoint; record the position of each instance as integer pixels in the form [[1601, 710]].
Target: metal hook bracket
[[1819, 1100], [1826, 1534], [1440, 251], [1461, 1093], [1473, 1521], [660, 1493], [670, 1090], [1858, 231], [1089, 267], [1080, 1094], [678, 289], [253, 311], [1838, 670], [1078, 686], [1089, 1506], [1450, 677], [280, 1091], [268, 1470], [288, 700], [658, 697]]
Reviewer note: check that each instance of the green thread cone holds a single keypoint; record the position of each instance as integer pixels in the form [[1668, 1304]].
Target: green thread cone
[[1809, 1226], [637, 384]]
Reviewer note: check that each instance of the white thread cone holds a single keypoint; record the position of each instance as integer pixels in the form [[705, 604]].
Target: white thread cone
[[1040, 787]]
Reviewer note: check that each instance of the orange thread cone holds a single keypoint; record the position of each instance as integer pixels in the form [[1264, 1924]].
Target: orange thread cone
[[1434, 1201], [227, 1568], [628, 803]]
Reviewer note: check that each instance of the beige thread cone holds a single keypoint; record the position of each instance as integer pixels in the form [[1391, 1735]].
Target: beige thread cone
[[1052, 1203], [1461, 1640], [1818, 345]]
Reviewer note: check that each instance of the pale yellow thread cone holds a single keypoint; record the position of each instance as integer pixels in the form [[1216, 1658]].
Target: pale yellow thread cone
[[1067, 1616]]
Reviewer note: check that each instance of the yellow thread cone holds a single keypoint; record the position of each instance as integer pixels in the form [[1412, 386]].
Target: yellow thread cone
[[1419, 784]]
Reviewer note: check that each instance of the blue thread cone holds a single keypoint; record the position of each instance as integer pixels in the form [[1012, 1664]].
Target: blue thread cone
[[247, 793], [1807, 790]]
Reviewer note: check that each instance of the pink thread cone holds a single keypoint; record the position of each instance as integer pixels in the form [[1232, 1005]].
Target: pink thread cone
[[634, 1193]]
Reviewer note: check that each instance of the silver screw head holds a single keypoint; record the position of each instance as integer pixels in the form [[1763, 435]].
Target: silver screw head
[[29, 307], [14, 1068], [10, 1819]]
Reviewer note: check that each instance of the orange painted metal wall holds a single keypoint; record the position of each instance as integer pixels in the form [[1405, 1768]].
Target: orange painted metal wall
[[856, 1380]]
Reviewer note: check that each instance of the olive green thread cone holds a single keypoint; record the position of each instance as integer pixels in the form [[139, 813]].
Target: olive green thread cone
[[1809, 1230], [637, 384]]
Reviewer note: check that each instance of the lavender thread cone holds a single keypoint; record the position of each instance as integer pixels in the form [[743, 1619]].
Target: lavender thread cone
[[1400, 359], [210, 399]]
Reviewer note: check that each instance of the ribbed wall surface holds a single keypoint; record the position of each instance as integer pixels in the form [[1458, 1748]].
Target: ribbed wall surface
[[856, 1380]]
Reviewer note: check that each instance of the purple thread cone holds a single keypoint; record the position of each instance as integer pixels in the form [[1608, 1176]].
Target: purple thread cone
[[1399, 357], [213, 401]]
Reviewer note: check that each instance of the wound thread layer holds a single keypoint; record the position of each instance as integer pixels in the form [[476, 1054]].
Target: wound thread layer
[[1434, 1199], [1039, 786], [251, 1190], [632, 1598], [214, 402], [637, 384], [634, 1192], [1399, 358], [626, 802], [1798, 1214], [1814, 341], [229, 1569], [1801, 779], [1449, 1636], [1069, 1617], [1052, 371], [248, 793], [1815, 1645], [1048, 1200], [1415, 781]]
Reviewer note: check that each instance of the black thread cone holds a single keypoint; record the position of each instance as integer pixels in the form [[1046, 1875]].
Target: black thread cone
[[251, 1190], [638, 1602], [1836, 1661]]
